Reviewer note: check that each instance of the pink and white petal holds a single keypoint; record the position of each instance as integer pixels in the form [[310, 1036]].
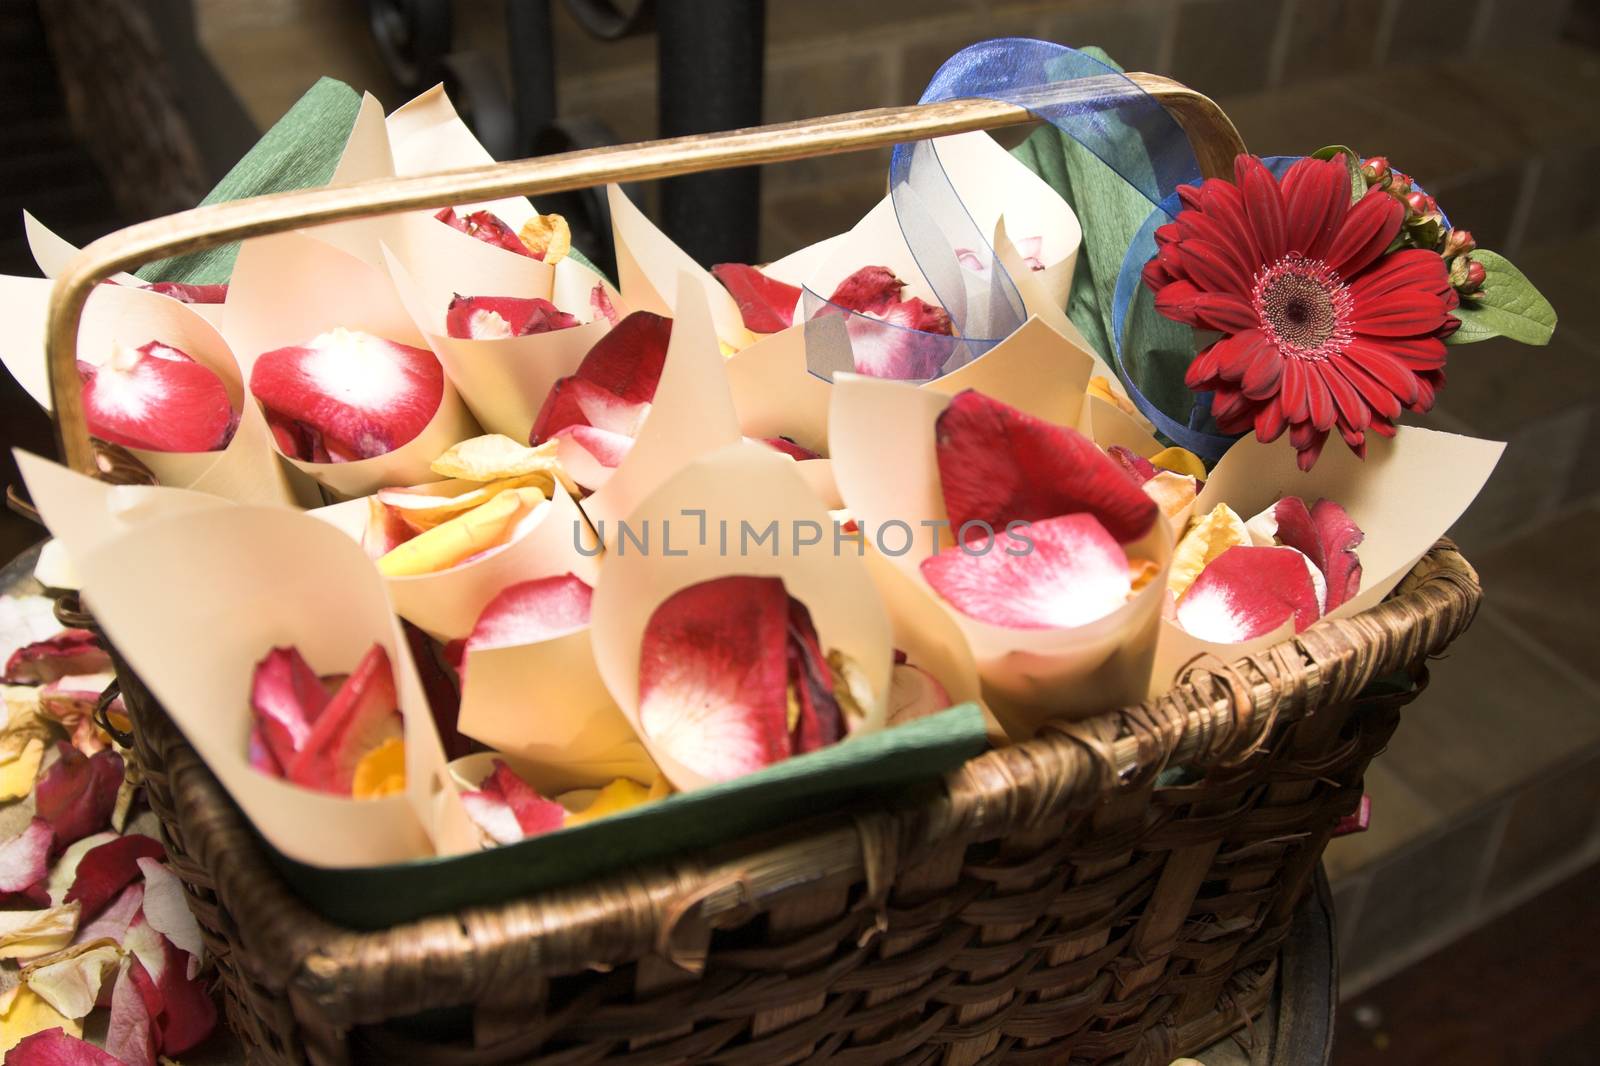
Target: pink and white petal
[[287, 697], [105, 871], [166, 908], [69, 652], [492, 814], [589, 455], [914, 693], [530, 611], [1247, 592], [25, 858], [1074, 573], [158, 398], [361, 716]]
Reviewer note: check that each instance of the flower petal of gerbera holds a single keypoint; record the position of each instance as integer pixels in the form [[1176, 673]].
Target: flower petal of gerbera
[[1264, 371], [1409, 268], [1316, 197], [1263, 204], [1295, 395], [1369, 226], [1248, 592], [1211, 268], [713, 676], [998, 465], [1372, 357], [1398, 313], [1223, 201], [1379, 399], [1351, 409], [1074, 574]]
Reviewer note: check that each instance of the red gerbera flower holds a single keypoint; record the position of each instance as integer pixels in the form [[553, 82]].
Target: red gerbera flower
[[1322, 329]]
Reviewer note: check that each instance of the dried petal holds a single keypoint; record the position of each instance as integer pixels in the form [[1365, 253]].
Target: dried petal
[[157, 398], [531, 611], [1179, 461], [381, 772], [797, 452], [713, 676], [818, 720], [486, 227], [185, 293], [1339, 536], [57, 1047], [166, 908], [28, 935], [25, 859], [69, 652], [116, 919], [998, 465], [70, 981], [188, 1013], [618, 796], [287, 697], [1074, 574], [460, 538], [77, 794], [65, 870], [914, 693], [765, 303], [498, 317], [362, 715], [1172, 492], [547, 237], [1207, 538], [23, 1013], [18, 774], [364, 395], [133, 1034], [1247, 592], [600, 304], [493, 457], [105, 871]]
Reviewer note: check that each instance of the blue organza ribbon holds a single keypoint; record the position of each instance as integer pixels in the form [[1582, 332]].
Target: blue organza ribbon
[[1088, 101]]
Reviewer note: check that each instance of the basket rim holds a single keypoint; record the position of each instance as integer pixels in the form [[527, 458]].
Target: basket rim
[[1219, 714]]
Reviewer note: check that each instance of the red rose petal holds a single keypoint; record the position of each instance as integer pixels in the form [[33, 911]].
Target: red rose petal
[[53, 1047], [765, 303], [600, 304], [627, 361], [362, 715], [1296, 530], [909, 345], [1137, 467], [603, 448], [914, 693], [530, 611], [106, 870], [114, 921], [820, 722], [494, 317], [1247, 592], [77, 794], [287, 697], [366, 396], [188, 1014], [713, 676], [1075, 574], [70, 652], [191, 294], [797, 452], [869, 290], [1339, 537], [133, 1035], [486, 227], [157, 398], [998, 465], [25, 858]]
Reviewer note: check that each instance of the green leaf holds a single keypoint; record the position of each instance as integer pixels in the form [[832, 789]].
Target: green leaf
[[1352, 165], [1509, 306]]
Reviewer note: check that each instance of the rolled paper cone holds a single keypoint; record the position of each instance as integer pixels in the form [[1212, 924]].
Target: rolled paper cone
[[53, 252], [691, 415], [54, 569], [250, 579], [1040, 302], [545, 704], [654, 272], [503, 381], [696, 521], [553, 539], [882, 438], [366, 157], [289, 288], [24, 303], [1404, 496], [427, 136]]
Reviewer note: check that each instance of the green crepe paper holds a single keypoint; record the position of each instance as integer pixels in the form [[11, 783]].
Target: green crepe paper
[[300, 151], [1156, 350], [879, 764]]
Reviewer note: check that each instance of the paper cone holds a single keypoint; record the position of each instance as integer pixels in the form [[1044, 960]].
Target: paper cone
[[882, 437], [552, 540], [739, 484], [53, 253], [691, 415], [504, 382], [290, 287], [426, 136], [1404, 496]]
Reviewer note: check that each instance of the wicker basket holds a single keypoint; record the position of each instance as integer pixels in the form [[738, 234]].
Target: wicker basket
[[1052, 902]]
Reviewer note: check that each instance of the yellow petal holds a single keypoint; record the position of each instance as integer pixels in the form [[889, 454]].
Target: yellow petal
[[1179, 461], [70, 980], [24, 1012], [381, 771], [1206, 539], [1172, 492], [422, 511], [18, 775], [1100, 386], [25, 720], [1140, 573], [494, 456], [620, 795], [30, 934], [462, 537], [547, 236]]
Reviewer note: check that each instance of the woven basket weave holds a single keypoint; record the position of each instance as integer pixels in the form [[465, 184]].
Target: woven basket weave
[[1049, 902]]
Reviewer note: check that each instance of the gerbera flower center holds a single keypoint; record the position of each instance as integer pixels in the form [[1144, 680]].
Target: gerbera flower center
[[1303, 306]]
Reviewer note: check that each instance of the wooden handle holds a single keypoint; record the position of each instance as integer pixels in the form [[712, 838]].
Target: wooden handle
[[1212, 135]]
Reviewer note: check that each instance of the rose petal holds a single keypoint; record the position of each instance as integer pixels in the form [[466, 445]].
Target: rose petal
[[76, 795], [998, 465], [765, 303], [133, 1035], [1206, 539], [1074, 574], [71, 981], [18, 773], [1172, 492], [914, 693], [1179, 461], [600, 304], [498, 317], [158, 398], [627, 361], [818, 721], [116, 919], [69, 652], [546, 237], [105, 871], [188, 1012], [869, 290], [494, 457], [619, 795], [190, 294], [25, 858], [381, 771], [713, 676], [486, 227], [1339, 537], [365, 395], [1248, 592], [166, 908], [32, 934], [531, 611], [909, 341], [797, 452], [287, 698], [1137, 467], [362, 715], [458, 539], [54, 1047]]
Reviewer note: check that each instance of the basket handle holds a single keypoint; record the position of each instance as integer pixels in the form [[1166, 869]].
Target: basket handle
[[1212, 135]]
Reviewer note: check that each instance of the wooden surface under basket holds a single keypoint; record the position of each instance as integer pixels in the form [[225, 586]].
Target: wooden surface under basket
[[1049, 904]]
